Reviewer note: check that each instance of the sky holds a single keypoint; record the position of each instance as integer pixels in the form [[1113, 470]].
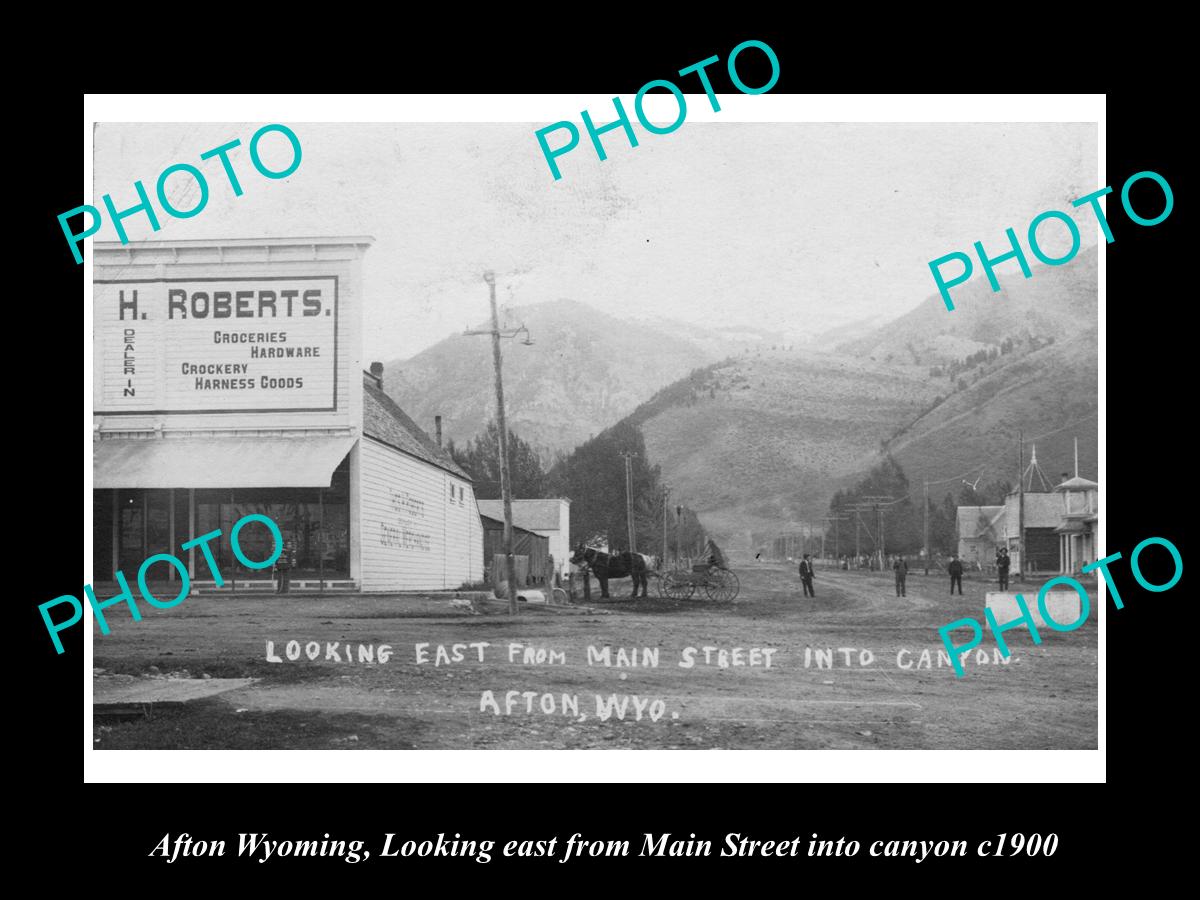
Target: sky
[[795, 227]]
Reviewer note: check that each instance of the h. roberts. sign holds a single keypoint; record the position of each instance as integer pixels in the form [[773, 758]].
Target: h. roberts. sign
[[216, 345]]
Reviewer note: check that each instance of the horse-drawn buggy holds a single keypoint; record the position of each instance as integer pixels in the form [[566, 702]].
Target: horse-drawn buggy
[[714, 580], [711, 577]]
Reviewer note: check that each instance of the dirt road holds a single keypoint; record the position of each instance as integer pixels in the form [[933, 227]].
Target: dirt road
[[854, 667]]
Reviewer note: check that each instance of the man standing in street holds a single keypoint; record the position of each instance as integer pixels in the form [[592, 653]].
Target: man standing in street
[[956, 572], [806, 576], [1002, 564], [284, 566], [900, 565]]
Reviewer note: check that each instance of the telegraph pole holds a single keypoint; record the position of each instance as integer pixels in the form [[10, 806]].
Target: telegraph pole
[[858, 509], [666, 515], [1021, 502], [678, 517], [925, 539], [836, 522], [629, 499], [877, 502], [505, 482]]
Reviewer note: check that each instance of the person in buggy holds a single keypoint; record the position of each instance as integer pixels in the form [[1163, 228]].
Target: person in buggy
[[713, 555]]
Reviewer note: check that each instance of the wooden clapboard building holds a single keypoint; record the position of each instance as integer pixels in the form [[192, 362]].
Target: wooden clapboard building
[[228, 380], [531, 552], [418, 506]]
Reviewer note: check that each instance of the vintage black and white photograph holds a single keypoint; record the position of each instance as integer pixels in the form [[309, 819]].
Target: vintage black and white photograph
[[400, 442]]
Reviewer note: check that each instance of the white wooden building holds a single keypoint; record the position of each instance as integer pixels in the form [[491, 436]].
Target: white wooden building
[[420, 522], [1077, 531], [228, 380]]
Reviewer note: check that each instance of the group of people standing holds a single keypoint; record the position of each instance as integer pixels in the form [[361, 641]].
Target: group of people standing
[[900, 569], [1003, 564], [899, 566]]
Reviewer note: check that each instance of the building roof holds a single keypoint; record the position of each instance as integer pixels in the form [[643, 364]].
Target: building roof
[[225, 250], [303, 241], [979, 522], [387, 422], [538, 515], [490, 524], [1077, 484]]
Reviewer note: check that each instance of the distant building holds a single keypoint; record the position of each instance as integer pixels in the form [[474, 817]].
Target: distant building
[[1077, 528], [550, 518], [1060, 523], [980, 532], [1043, 514]]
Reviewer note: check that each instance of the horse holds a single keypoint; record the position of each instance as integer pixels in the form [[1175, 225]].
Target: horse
[[615, 565]]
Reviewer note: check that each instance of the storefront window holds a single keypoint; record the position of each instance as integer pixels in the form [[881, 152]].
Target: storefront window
[[158, 523], [130, 530], [317, 521]]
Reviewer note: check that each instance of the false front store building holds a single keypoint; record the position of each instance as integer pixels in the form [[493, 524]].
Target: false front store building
[[227, 380]]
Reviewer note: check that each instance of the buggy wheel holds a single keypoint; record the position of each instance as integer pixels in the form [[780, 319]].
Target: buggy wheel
[[675, 587], [722, 585]]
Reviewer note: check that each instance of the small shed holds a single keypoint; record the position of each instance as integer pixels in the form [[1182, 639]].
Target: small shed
[[534, 548]]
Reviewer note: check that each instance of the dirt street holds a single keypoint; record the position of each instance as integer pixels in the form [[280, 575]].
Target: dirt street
[[854, 667]]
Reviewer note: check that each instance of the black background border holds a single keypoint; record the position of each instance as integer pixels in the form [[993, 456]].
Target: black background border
[[1145, 493]]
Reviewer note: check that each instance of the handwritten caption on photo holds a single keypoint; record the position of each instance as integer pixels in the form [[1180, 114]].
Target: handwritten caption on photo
[[623, 660]]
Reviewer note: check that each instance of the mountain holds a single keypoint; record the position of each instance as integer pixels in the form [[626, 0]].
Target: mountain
[[585, 370], [1056, 300], [724, 340], [758, 444], [1049, 393]]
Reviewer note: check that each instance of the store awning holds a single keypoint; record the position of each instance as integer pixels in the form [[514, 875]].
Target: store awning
[[225, 462]]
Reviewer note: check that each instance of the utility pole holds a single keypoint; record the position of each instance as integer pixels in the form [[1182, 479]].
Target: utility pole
[[925, 539], [666, 514], [1021, 502], [836, 522], [877, 502], [505, 482], [678, 517], [629, 499]]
